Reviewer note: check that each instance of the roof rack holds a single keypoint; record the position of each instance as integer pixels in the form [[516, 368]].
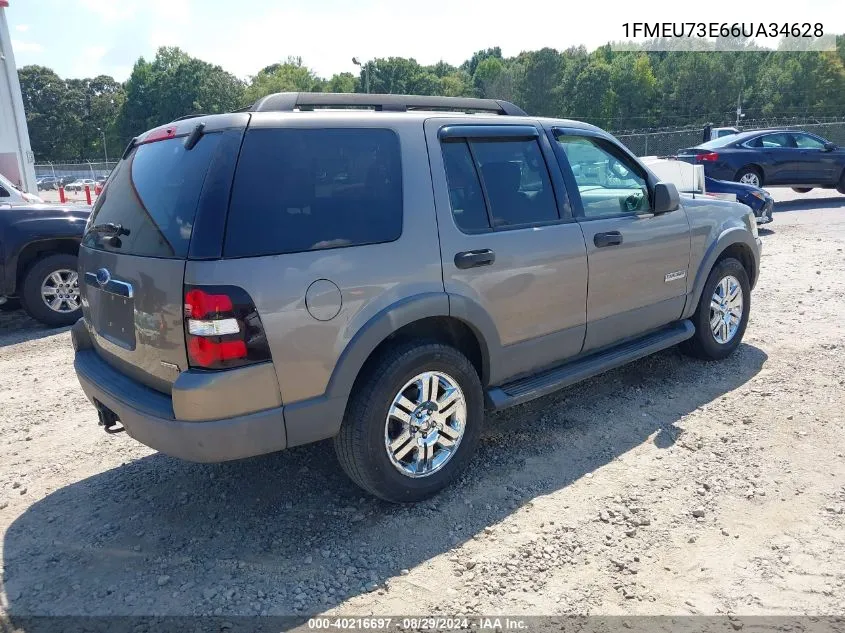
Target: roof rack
[[290, 101]]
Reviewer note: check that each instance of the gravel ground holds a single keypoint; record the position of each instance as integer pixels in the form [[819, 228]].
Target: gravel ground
[[670, 486]]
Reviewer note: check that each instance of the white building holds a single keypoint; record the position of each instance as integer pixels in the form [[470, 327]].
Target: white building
[[16, 160]]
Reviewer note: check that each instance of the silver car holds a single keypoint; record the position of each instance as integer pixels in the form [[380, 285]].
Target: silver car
[[382, 269]]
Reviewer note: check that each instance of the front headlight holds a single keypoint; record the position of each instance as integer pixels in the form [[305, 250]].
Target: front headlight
[[758, 194], [753, 225]]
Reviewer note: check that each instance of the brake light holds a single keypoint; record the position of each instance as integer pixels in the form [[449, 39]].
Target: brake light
[[709, 157], [222, 328], [159, 135], [199, 303], [207, 353]]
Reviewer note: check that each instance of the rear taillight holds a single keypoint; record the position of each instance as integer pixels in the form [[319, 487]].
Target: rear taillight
[[709, 157], [222, 328]]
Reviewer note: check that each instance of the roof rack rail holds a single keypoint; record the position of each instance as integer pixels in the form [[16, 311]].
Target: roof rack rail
[[290, 101]]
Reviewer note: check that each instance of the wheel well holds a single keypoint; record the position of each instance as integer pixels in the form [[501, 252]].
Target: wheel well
[[753, 166], [442, 329], [742, 253], [36, 250]]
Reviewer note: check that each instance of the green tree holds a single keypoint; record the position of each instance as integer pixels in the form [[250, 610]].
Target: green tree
[[172, 85], [288, 76]]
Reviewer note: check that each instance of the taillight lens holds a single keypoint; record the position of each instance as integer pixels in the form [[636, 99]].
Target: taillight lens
[[709, 157], [222, 328]]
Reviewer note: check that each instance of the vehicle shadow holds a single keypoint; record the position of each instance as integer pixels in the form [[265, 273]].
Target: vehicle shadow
[[16, 326], [835, 201], [289, 534]]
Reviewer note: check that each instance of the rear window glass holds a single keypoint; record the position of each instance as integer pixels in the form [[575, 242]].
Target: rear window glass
[[154, 194], [309, 189]]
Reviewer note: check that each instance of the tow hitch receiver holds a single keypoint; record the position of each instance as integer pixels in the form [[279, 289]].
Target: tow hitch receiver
[[108, 419]]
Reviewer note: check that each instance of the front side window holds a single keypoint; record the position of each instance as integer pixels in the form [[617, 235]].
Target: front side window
[[498, 184], [805, 141], [609, 182], [299, 190]]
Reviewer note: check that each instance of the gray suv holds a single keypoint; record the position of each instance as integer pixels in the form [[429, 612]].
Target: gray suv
[[382, 269]]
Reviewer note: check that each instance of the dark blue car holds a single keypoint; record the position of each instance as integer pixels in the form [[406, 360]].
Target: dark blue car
[[772, 158], [759, 200]]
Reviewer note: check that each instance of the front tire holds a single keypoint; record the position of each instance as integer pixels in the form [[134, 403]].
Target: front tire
[[750, 176], [51, 290], [722, 313], [412, 422]]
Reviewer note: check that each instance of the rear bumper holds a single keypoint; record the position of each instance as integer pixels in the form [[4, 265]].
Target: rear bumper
[[148, 415]]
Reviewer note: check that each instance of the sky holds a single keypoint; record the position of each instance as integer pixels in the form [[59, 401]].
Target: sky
[[84, 38]]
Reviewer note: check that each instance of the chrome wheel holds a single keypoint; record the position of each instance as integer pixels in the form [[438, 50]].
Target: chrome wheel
[[60, 291], [726, 309], [750, 178], [425, 424]]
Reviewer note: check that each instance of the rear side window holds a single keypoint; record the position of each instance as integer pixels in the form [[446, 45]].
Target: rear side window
[[310, 189], [154, 194], [498, 184]]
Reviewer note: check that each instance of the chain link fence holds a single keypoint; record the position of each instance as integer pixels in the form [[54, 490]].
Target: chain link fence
[[667, 142], [76, 171], [650, 142]]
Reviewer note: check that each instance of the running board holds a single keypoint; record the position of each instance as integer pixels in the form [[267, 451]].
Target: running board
[[551, 380]]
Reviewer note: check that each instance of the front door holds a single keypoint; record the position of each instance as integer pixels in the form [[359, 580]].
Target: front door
[[508, 242], [819, 166], [638, 261]]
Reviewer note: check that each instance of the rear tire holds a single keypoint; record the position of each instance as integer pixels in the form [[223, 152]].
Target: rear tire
[[369, 445], [841, 186], [749, 175], [715, 337], [802, 189], [33, 300]]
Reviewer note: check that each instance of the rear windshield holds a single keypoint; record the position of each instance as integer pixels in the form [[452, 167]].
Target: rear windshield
[[310, 189], [153, 194]]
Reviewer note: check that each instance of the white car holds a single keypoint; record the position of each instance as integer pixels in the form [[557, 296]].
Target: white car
[[10, 194], [79, 185]]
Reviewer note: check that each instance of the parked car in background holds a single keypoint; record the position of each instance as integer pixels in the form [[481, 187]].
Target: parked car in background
[[758, 200], [263, 279], [772, 158], [47, 183], [10, 194], [79, 185], [38, 250], [711, 133]]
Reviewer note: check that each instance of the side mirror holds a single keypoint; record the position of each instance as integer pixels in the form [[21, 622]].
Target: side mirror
[[666, 197], [829, 147]]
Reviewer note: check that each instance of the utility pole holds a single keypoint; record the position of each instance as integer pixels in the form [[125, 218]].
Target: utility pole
[[739, 113]]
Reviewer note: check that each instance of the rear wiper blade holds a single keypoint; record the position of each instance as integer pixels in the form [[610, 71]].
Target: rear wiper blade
[[109, 228]]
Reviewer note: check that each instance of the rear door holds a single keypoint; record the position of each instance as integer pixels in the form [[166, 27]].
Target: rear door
[[508, 241], [638, 260], [782, 158], [132, 259]]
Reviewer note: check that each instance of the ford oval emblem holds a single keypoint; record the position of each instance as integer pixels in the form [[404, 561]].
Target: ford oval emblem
[[103, 277]]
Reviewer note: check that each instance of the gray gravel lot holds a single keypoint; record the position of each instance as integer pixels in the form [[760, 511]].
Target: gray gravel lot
[[668, 486]]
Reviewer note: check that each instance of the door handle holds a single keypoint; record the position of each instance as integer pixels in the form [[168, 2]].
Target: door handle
[[611, 238], [473, 259]]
